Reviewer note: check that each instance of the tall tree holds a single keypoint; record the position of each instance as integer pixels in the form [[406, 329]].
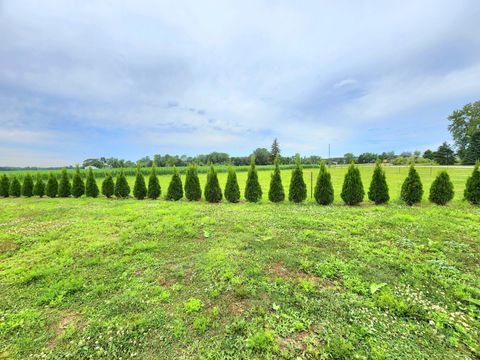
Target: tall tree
[[463, 124], [441, 191], [193, 192], [213, 192], [78, 187], [378, 192], [154, 189], [122, 189], [253, 190], [108, 187], [39, 187], [175, 188], [15, 187], [472, 153], [276, 193], [262, 156], [472, 188], [352, 190], [445, 155], [429, 154], [91, 187], [349, 158], [275, 150], [412, 188], [52, 186], [5, 186], [64, 187], [298, 189], [139, 188], [324, 188], [232, 190], [27, 187]]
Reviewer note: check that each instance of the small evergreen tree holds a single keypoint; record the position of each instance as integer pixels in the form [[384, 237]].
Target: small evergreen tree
[[213, 192], [108, 187], [472, 188], [298, 189], [39, 187], [91, 187], [352, 190], [154, 189], [276, 193], [64, 187], [193, 192], [139, 188], [52, 186], [78, 187], [253, 190], [412, 188], [175, 189], [122, 189], [15, 187], [5, 186], [323, 188], [232, 190], [27, 187], [378, 192], [441, 191]]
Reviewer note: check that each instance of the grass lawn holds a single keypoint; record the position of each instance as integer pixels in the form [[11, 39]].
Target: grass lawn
[[91, 278]]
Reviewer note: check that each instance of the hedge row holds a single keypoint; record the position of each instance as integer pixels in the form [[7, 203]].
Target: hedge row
[[441, 191]]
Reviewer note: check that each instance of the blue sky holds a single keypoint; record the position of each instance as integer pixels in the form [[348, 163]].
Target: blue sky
[[82, 79]]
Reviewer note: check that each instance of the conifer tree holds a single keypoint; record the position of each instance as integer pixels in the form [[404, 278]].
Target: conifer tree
[[122, 189], [276, 193], [253, 190], [27, 187], [298, 189], [64, 187], [323, 188], [213, 192], [15, 187], [378, 192], [352, 190], [154, 189], [472, 188], [412, 188], [52, 186], [193, 192], [441, 191], [232, 190], [91, 187], [39, 187], [78, 187], [5, 186], [108, 187], [139, 188], [175, 189]]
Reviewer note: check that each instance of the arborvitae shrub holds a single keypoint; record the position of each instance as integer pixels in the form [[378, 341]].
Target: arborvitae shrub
[[27, 187], [78, 187], [412, 188], [52, 186], [139, 188], [91, 187], [253, 190], [154, 189], [122, 189], [108, 187], [64, 187], [378, 192], [193, 192], [213, 192], [232, 190], [15, 187], [298, 189], [352, 190], [175, 189], [276, 193], [441, 191], [39, 187], [472, 189], [5, 186], [323, 188]]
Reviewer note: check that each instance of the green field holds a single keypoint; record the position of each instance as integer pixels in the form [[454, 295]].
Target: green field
[[99, 278]]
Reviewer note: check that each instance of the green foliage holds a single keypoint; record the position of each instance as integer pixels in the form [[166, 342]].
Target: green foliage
[[298, 188], [154, 189], [323, 188], [378, 192], [91, 187], [275, 151], [472, 153], [253, 191], [5, 186], [193, 192], [139, 188], [276, 193], [108, 187], [27, 187], [78, 186], [122, 189], [263, 342], [472, 188], [15, 187], [441, 191], [213, 192], [412, 188], [175, 189], [39, 187], [352, 190], [464, 123], [52, 186], [193, 305], [64, 187], [444, 155], [232, 190]]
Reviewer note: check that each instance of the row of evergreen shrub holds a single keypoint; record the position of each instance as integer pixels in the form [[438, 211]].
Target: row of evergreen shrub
[[441, 191]]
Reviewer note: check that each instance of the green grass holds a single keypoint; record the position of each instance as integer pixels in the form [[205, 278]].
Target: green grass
[[89, 278]]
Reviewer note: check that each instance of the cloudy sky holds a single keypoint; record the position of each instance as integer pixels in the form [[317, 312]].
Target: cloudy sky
[[82, 79]]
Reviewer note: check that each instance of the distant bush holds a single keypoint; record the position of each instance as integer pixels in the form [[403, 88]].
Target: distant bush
[[39, 187], [232, 190], [64, 187], [352, 190], [91, 187], [253, 190], [441, 191], [122, 189], [378, 192], [52, 186], [472, 189], [193, 192], [175, 189], [27, 187], [412, 188], [213, 192], [139, 188], [276, 193], [15, 187], [78, 187], [298, 189], [5, 186], [154, 189], [108, 187], [324, 188]]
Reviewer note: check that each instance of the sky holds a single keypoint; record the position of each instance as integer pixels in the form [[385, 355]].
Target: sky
[[83, 79]]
